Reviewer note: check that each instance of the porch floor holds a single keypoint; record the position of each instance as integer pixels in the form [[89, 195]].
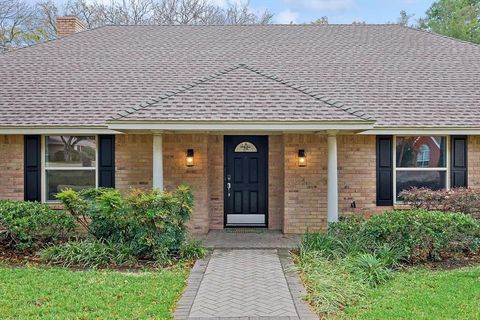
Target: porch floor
[[249, 238]]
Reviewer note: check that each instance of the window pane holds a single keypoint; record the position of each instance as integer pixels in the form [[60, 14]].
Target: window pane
[[433, 180], [421, 152], [70, 151], [58, 180]]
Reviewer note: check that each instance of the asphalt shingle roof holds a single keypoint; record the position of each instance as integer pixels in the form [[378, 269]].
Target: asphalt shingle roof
[[242, 93], [397, 76]]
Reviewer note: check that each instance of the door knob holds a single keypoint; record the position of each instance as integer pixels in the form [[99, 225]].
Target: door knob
[[229, 186]]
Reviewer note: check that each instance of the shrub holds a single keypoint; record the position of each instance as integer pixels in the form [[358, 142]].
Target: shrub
[[454, 200], [410, 236], [28, 225], [152, 223], [91, 254], [192, 250], [424, 235]]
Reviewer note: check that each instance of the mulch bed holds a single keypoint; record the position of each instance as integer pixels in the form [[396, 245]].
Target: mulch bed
[[459, 262]]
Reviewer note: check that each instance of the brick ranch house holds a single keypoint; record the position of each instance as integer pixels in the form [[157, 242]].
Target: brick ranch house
[[279, 126]]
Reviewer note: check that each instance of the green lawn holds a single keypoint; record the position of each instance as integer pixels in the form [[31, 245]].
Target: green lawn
[[56, 293], [423, 294]]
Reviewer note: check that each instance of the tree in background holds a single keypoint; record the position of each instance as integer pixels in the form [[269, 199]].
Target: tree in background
[[454, 18], [19, 25], [322, 20], [404, 19], [23, 24]]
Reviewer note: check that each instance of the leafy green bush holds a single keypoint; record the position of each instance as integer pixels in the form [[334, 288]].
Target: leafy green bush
[[89, 254], [412, 236], [28, 225], [152, 223], [424, 235], [191, 250]]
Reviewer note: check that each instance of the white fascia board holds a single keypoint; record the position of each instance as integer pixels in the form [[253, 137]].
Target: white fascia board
[[56, 130], [239, 126], [422, 131]]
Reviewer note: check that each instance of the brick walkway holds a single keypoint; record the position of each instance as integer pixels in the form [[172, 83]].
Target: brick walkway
[[243, 284]]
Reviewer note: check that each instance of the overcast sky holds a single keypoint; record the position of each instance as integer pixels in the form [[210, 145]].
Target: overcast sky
[[338, 11]]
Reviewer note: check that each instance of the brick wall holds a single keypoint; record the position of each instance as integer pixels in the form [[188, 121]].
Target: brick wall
[[11, 167], [133, 161], [197, 177], [305, 187], [215, 183], [474, 162], [357, 175], [68, 25], [275, 182]]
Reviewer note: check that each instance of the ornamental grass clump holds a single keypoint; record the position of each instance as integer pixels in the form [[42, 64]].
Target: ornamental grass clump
[[89, 254]]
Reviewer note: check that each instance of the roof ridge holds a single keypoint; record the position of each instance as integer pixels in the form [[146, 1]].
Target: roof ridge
[[56, 39], [438, 35], [315, 25], [312, 93], [168, 94], [309, 92]]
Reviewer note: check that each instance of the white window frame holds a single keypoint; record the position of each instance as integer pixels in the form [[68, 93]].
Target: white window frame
[[44, 168], [395, 169]]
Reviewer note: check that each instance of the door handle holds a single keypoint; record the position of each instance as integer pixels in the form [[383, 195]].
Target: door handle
[[229, 186]]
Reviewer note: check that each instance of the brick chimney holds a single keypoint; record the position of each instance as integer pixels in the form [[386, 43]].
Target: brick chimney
[[68, 25]]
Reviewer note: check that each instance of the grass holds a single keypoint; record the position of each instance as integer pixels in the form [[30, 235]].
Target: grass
[[423, 294], [59, 293]]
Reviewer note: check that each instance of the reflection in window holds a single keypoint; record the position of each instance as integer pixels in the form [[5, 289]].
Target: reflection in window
[[420, 161], [70, 151], [245, 147], [423, 156], [70, 162], [434, 180], [59, 180], [409, 149]]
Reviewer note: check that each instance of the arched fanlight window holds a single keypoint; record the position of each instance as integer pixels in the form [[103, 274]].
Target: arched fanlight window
[[423, 156], [245, 147]]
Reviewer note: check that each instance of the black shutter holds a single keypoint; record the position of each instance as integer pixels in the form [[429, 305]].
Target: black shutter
[[459, 175], [106, 161], [384, 171], [32, 168]]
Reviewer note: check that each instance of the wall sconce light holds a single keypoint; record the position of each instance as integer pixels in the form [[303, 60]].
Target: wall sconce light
[[302, 158], [190, 158]]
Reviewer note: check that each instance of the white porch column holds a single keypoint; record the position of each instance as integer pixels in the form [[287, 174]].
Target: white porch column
[[332, 202], [158, 161]]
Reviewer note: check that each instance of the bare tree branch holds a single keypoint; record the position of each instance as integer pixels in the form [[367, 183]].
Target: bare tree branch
[[23, 24]]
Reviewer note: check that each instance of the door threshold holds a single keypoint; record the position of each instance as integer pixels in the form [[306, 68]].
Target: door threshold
[[243, 225]]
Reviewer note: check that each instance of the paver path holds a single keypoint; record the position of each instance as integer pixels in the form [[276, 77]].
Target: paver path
[[241, 284]]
